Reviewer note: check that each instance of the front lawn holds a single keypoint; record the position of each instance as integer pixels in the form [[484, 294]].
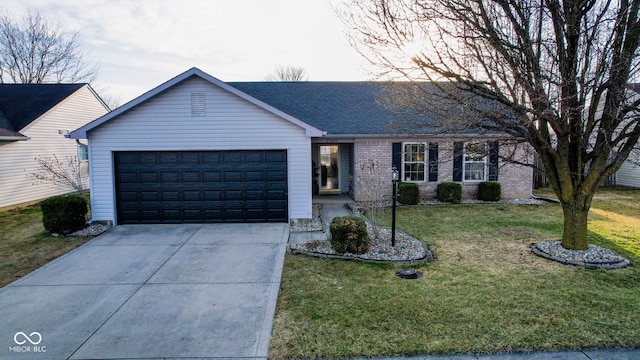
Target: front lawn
[[25, 245], [484, 293]]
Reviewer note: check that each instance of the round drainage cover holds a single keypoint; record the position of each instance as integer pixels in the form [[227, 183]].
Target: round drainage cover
[[409, 274]]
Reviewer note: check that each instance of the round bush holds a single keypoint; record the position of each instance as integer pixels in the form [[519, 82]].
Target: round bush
[[489, 191], [408, 193], [449, 192], [64, 213], [349, 234]]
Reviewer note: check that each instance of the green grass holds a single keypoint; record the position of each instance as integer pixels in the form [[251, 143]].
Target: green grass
[[25, 245], [484, 293]]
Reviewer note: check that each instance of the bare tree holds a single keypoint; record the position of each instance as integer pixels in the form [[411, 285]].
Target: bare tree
[[287, 73], [67, 174], [552, 74], [370, 184], [36, 51]]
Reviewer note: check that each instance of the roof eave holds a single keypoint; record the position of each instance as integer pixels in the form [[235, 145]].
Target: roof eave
[[395, 136], [14, 138]]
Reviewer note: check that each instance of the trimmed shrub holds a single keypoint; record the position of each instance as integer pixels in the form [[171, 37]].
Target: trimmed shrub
[[349, 234], [449, 192], [489, 191], [65, 213], [408, 193]]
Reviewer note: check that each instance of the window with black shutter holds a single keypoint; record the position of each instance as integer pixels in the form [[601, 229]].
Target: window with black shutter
[[433, 162]]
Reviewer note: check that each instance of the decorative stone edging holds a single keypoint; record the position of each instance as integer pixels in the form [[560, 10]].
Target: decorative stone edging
[[427, 259], [595, 257]]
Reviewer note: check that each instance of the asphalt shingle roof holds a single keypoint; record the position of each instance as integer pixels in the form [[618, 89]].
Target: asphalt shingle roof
[[339, 108], [20, 104]]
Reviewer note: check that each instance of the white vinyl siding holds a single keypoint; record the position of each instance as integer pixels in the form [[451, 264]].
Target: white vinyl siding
[[628, 175], [164, 122], [17, 159]]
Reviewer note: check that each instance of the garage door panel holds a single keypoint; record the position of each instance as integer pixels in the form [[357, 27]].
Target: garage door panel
[[128, 158], [255, 176], [276, 195], [233, 195], [211, 176], [169, 177], [150, 196], [128, 196], [149, 215], [233, 176], [128, 177], [232, 157], [191, 176], [201, 186], [212, 157], [256, 195], [170, 195], [148, 158], [192, 214], [148, 177], [211, 195], [213, 215], [190, 158], [276, 175], [254, 157], [167, 157], [192, 195], [276, 156]]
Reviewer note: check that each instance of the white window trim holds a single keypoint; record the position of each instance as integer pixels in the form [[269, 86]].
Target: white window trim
[[425, 161], [465, 162], [80, 147]]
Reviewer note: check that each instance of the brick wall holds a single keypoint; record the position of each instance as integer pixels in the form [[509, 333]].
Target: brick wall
[[516, 180], [379, 153]]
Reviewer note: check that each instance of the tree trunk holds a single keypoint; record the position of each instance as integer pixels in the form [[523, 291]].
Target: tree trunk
[[574, 236]]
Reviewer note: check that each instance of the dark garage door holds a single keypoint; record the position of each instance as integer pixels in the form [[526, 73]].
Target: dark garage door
[[201, 186]]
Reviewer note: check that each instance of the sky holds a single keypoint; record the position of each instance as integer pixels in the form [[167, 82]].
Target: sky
[[139, 44]]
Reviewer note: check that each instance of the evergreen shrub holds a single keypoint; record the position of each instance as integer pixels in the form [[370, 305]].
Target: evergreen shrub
[[408, 193], [449, 192], [489, 191], [64, 214], [349, 234]]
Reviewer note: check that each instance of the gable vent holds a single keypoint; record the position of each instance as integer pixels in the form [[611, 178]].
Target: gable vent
[[198, 104]]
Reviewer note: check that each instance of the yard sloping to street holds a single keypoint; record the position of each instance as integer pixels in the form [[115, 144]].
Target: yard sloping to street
[[484, 293], [25, 245]]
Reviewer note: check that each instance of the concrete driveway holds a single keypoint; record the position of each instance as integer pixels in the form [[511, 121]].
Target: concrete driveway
[[150, 291]]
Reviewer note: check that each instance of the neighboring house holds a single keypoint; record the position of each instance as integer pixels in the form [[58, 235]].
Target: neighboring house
[[196, 149], [34, 119], [629, 173]]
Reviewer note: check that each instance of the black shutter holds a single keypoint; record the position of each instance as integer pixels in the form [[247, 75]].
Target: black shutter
[[433, 162], [494, 150], [458, 151], [396, 157]]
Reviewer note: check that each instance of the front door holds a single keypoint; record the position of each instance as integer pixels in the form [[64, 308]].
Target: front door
[[329, 169]]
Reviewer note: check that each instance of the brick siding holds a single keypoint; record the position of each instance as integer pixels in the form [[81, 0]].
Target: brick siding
[[516, 180]]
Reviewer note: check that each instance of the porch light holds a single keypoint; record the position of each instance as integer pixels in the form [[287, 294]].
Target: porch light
[[395, 174]]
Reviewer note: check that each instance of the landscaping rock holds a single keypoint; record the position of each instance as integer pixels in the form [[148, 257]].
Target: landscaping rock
[[595, 257], [407, 250], [92, 230]]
